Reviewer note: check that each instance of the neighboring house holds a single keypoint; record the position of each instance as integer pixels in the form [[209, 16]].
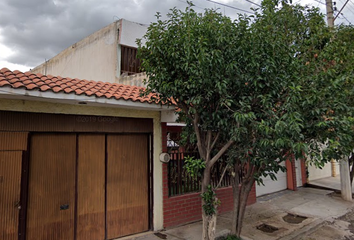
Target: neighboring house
[[294, 177], [108, 55], [330, 169]]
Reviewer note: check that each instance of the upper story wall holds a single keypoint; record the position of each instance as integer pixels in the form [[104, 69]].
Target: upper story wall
[[130, 31], [92, 58], [99, 56]]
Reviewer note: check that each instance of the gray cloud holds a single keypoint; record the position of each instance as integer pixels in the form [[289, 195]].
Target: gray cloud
[[39, 29]]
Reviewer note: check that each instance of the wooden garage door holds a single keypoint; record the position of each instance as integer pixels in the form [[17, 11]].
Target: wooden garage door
[[10, 183], [51, 199], [127, 185], [91, 187]]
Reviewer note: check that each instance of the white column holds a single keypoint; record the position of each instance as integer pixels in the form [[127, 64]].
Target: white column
[[345, 185]]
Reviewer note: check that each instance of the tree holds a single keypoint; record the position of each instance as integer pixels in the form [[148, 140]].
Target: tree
[[189, 61], [243, 87], [329, 73], [268, 122]]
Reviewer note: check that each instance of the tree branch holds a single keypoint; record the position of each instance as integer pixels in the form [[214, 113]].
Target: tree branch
[[208, 149], [184, 106], [200, 142], [215, 140], [222, 176], [221, 152], [195, 120]]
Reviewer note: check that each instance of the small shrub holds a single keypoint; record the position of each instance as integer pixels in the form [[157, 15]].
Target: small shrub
[[229, 237]]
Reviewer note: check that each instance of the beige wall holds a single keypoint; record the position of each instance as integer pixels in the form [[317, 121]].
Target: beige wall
[[93, 58], [98, 56], [44, 107], [326, 171], [130, 31]]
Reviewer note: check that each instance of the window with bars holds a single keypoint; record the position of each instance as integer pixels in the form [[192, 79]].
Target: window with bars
[[130, 64]]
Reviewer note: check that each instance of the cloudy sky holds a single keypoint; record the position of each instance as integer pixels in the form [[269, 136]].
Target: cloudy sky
[[34, 30]]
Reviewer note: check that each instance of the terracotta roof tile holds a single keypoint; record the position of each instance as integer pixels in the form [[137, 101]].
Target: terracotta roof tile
[[68, 90], [31, 86], [44, 88], [57, 84], [4, 83], [18, 84]]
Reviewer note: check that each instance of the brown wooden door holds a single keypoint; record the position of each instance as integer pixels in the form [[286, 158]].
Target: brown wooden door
[[10, 185], [127, 185], [51, 197], [91, 187]]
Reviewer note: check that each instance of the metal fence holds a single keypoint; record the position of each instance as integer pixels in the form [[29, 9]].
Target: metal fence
[[180, 182]]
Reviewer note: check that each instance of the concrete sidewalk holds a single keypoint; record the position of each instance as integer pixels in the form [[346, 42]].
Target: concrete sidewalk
[[330, 183], [309, 207]]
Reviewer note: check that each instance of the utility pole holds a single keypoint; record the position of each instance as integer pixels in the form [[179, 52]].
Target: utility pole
[[346, 187], [330, 17], [330, 22]]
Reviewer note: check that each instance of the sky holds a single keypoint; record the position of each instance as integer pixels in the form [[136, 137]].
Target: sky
[[32, 31]]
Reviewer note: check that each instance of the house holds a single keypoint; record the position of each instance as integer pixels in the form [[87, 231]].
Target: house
[[78, 159]]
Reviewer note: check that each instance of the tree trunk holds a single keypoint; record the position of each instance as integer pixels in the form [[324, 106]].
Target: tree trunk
[[240, 195], [247, 187], [209, 222], [351, 168], [236, 197], [209, 227]]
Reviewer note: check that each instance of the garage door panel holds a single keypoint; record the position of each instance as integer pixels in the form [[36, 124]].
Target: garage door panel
[[127, 185], [271, 186], [10, 183], [91, 187], [51, 199]]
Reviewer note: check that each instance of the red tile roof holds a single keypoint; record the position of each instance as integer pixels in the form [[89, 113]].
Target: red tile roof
[[32, 81]]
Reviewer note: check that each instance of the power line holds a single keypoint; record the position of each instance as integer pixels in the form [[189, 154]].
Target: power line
[[225, 5], [320, 2], [346, 19], [193, 4], [350, 6], [340, 11], [253, 3]]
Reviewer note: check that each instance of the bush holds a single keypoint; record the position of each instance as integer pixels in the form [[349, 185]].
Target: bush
[[229, 237]]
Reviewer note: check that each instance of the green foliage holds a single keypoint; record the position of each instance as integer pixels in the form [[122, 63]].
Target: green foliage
[[232, 237], [193, 166], [210, 201], [229, 237], [276, 84], [189, 58], [328, 94]]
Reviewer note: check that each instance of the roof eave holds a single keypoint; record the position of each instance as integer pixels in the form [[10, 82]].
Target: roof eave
[[7, 92]]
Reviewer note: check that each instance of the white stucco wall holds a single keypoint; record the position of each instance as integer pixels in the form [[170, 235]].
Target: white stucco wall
[[92, 58], [130, 31], [317, 173], [326, 171]]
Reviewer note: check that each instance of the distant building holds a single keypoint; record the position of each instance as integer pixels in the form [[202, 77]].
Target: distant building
[[108, 55]]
